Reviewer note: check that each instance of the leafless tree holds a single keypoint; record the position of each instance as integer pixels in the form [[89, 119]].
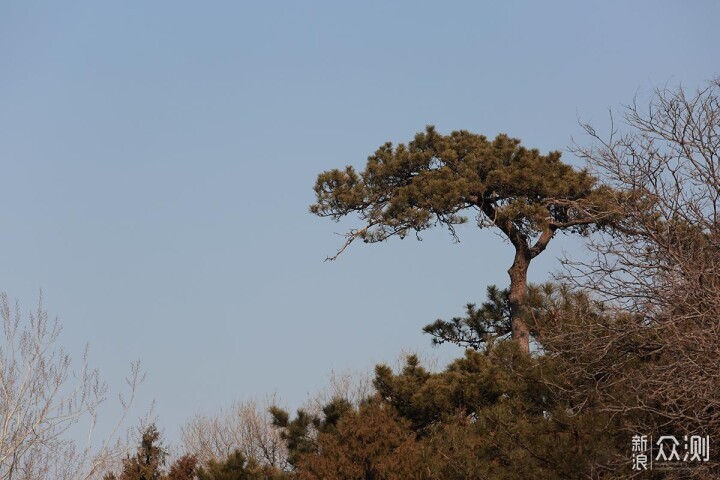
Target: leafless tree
[[245, 426], [655, 335], [352, 386], [42, 399]]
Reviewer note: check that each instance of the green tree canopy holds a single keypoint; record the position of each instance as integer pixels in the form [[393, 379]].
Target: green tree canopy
[[438, 180]]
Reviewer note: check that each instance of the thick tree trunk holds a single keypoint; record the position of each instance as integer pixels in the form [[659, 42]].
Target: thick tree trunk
[[518, 298]]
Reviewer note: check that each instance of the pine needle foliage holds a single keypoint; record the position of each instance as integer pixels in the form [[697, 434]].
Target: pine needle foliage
[[441, 180]]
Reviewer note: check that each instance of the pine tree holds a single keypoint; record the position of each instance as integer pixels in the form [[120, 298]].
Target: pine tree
[[435, 180], [299, 433], [184, 468], [237, 467], [149, 459]]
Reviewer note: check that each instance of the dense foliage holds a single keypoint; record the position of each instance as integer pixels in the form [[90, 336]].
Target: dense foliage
[[498, 413]]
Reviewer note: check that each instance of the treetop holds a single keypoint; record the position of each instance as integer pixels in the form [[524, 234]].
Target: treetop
[[435, 179]]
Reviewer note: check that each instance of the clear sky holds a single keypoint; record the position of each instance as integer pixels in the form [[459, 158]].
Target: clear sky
[[157, 162]]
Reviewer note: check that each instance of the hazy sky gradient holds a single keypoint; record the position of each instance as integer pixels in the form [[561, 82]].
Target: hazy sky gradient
[[157, 162]]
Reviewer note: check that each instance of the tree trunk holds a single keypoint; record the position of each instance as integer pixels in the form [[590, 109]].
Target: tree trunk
[[518, 298]]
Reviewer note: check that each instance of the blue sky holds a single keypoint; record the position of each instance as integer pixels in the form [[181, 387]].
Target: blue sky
[[157, 162]]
